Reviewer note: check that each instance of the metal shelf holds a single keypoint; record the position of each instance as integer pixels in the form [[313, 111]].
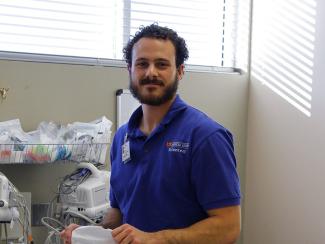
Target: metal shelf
[[48, 153]]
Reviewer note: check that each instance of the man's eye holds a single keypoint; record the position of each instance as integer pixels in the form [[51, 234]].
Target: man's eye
[[162, 65], [142, 64]]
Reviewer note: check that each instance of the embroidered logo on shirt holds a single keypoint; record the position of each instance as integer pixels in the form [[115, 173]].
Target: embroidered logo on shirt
[[180, 147]]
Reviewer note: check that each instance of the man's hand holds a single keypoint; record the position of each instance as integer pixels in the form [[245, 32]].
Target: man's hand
[[67, 233], [127, 234]]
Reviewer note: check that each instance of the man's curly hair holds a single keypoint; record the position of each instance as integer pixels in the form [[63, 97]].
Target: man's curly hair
[[157, 32]]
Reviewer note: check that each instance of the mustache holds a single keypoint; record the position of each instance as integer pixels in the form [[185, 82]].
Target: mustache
[[153, 81]]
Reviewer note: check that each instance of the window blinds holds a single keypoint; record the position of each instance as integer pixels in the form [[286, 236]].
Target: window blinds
[[284, 46], [66, 27], [99, 29]]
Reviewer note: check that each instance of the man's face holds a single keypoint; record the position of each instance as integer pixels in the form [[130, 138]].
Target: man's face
[[153, 73]]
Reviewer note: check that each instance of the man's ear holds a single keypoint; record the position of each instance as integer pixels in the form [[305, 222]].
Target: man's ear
[[180, 71]]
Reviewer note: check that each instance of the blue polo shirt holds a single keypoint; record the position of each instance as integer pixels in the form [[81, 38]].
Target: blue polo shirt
[[185, 167]]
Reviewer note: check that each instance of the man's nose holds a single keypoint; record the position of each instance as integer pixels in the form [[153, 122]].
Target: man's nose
[[151, 72]]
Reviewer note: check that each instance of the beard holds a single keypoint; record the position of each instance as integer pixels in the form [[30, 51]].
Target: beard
[[168, 92]]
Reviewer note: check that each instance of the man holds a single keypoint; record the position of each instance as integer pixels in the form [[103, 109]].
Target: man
[[174, 176]]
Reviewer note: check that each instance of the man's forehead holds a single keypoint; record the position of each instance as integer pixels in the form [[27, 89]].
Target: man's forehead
[[149, 47], [153, 43]]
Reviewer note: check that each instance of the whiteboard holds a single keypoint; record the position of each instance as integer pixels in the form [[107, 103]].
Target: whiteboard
[[126, 104]]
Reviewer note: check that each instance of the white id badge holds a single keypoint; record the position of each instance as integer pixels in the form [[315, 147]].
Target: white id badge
[[126, 156]]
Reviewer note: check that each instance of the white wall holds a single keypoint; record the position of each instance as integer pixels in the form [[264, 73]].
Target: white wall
[[67, 93], [285, 164]]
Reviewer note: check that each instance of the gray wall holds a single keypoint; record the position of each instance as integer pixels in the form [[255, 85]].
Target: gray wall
[[285, 167], [67, 93]]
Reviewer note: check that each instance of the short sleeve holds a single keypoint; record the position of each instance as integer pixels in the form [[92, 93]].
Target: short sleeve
[[112, 199], [214, 173]]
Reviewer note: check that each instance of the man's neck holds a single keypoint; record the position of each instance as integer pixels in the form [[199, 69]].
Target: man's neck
[[153, 115]]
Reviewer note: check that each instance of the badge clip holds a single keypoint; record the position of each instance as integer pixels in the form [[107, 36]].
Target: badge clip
[[126, 155]]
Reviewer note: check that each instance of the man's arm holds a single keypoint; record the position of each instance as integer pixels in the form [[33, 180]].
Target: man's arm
[[221, 227], [112, 219]]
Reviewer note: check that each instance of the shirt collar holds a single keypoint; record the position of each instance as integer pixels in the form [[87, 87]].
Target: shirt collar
[[134, 121]]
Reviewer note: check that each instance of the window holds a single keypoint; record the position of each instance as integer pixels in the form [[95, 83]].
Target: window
[[284, 46], [96, 31]]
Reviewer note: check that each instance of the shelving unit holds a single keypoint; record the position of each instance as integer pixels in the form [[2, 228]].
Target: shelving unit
[[49, 153]]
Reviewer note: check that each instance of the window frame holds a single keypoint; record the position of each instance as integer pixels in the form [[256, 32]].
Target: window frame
[[88, 61]]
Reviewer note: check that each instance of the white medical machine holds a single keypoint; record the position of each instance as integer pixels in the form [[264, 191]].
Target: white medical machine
[[85, 192], [14, 214], [83, 198]]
